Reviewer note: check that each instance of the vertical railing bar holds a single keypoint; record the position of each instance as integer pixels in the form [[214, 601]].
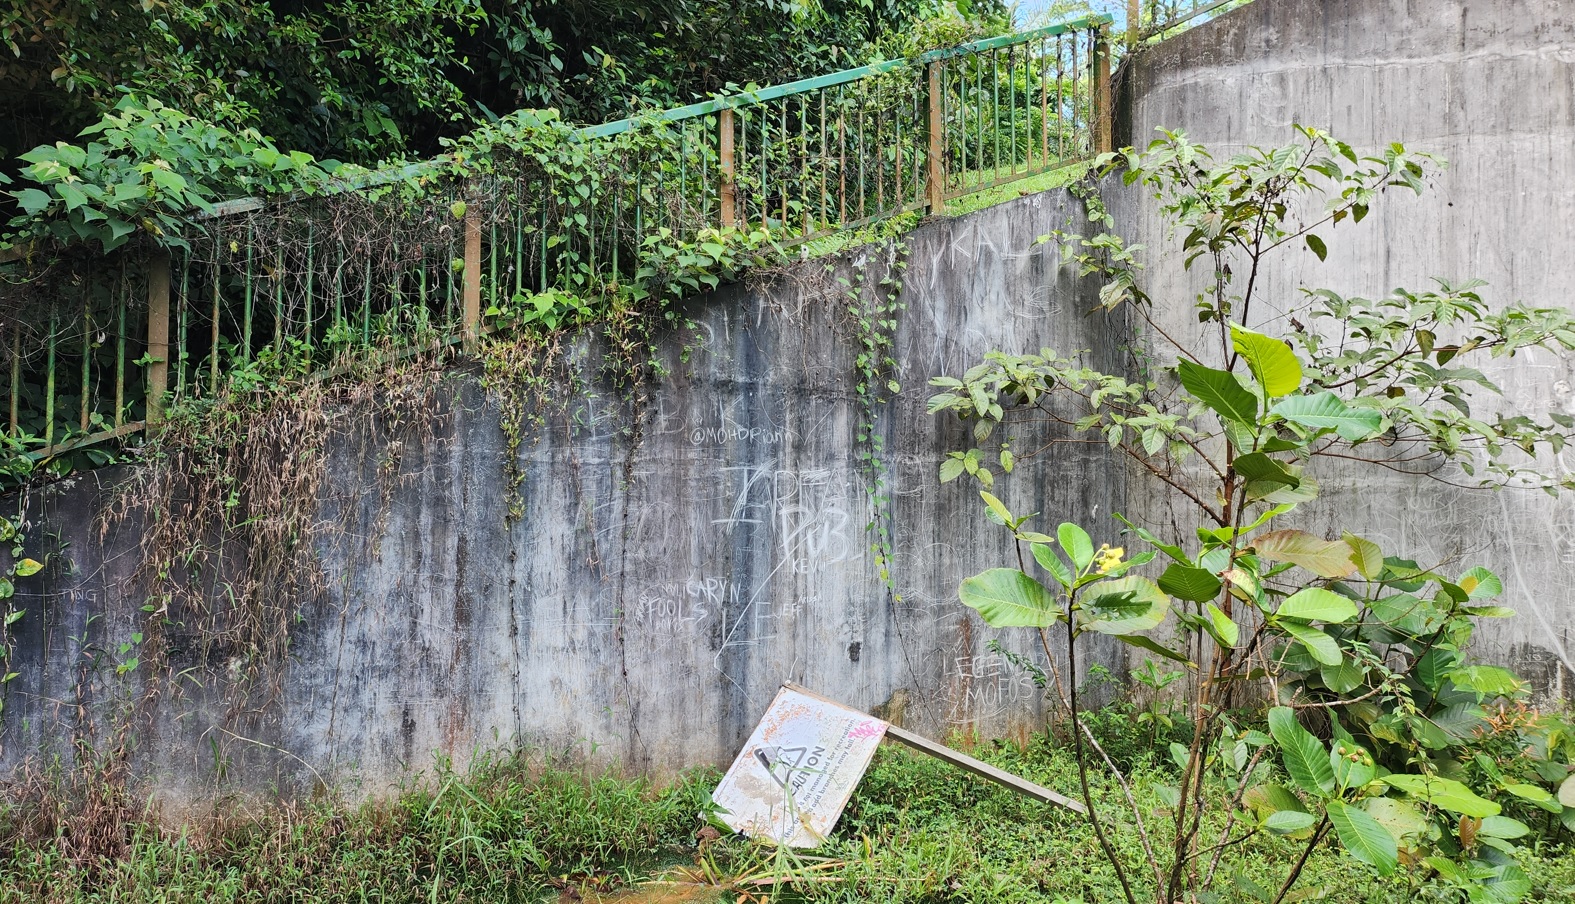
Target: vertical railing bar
[[16, 380], [1044, 105], [842, 157], [541, 232], [995, 120], [278, 302], [180, 328], [306, 302], [1011, 80], [87, 365], [683, 182], [366, 300], [918, 153], [471, 313], [120, 345], [1076, 79], [880, 159], [825, 161], [803, 163], [1104, 120], [862, 190], [452, 318], [157, 373], [394, 314], [741, 205], [782, 138], [246, 315], [519, 241], [728, 198], [762, 192], [49, 387], [339, 285], [898, 188], [213, 338], [492, 253]]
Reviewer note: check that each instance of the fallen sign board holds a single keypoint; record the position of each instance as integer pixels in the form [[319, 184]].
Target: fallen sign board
[[796, 772]]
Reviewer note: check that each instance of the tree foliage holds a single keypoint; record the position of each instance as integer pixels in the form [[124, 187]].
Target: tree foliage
[[361, 81]]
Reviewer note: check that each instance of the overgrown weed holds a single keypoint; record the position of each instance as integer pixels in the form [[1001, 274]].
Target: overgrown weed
[[523, 827]]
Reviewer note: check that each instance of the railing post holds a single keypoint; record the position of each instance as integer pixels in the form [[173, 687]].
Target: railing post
[[158, 333], [471, 309], [1103, 142], [935, 187], [724, 156]]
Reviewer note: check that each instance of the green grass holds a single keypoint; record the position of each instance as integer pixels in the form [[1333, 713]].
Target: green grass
[[513, 829]]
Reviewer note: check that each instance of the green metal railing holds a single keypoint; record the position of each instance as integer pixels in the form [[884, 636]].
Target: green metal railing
[[111, 346]]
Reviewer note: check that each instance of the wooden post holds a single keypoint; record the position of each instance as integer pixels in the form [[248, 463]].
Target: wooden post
[[158, 333], [1134, 23], [470, 332], [725, 161], [1103, 125], [935, 186]]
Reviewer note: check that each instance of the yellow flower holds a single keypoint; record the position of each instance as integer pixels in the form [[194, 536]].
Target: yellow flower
[[1108, 557]]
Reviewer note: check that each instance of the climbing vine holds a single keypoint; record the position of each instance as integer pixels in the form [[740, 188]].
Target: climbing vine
[[873, 311]]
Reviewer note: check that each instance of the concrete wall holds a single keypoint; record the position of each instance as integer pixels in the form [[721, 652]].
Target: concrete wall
[[1487, 84], [677, 562], [671, 570]]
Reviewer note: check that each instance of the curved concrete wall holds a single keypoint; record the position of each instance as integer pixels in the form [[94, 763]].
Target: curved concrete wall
[[1490, 86]]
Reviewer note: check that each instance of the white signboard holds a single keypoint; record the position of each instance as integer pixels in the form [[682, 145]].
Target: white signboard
[[798, 769]]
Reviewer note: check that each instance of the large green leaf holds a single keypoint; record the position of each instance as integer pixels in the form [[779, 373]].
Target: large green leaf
[[1325, 558], [1401, 818], [1364, 837], [1272, 362], [1259, 468], [1144, 642], [1306, 760], [1321, 646], [1220, 391], [1343, 678], [1076, 544], [1460, 721], [1317, 604], [1434, 668], [1325, 411], [1269, 798], [1480, 584], [1284, 822], [1365, 555], [1504, 827], [1128, 605], [1190, 583], [1052, 563], [1224, 630], [1567, 792], [1007, 598], [1444, 793]]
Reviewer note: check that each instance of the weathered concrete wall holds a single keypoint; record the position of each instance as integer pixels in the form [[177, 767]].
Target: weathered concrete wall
[[671, 570], [1487, 84], [676, 564]]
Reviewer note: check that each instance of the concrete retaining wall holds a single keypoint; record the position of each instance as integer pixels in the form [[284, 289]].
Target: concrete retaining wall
[[1490, 86], [671, 570], [677, 561]]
